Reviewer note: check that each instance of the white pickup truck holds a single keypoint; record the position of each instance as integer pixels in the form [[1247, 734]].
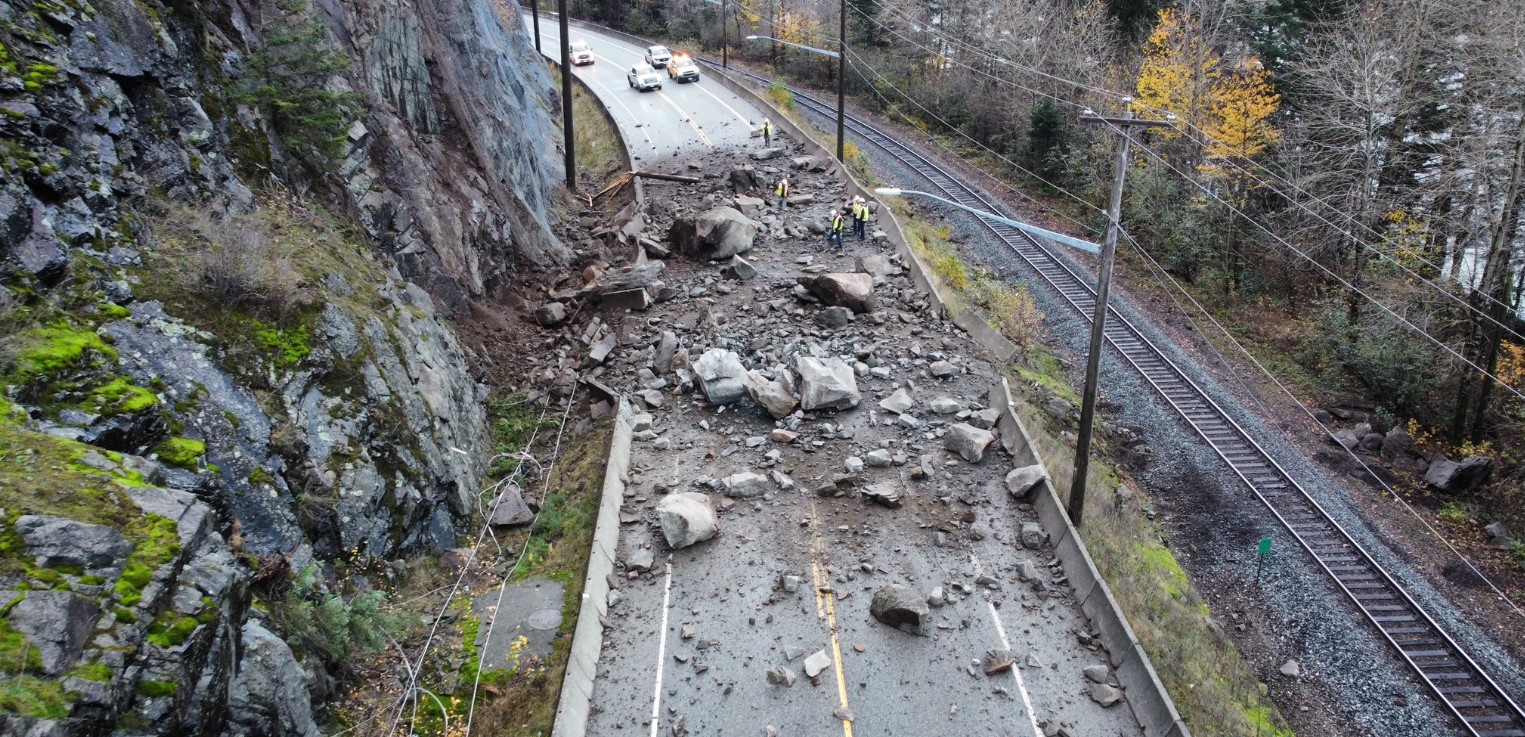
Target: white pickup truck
[[658, 56], [642, 77], [582, 53]]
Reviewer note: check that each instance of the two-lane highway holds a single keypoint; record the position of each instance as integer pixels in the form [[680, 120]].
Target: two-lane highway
[[658, 124]]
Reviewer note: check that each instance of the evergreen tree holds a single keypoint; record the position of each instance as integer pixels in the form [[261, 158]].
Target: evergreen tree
[[1048, 142]]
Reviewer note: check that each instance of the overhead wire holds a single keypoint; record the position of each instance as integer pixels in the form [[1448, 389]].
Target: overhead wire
[[1222, 359], [1473, 309], [1158, 271], [412, 683], [1336, 277], [476, 681], [855, 67]]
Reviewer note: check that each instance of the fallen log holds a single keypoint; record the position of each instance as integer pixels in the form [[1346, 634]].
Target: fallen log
[[666, 177]]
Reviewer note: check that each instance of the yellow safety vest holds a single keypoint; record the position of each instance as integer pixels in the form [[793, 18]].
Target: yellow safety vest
[[860, 212], [782, 190], [836, 223]]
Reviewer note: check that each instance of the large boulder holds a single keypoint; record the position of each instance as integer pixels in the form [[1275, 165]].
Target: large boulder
[[777, 397], [901, 607], [827, 383], [968, 441], [1022, 482], [686, 518], [270, 694], [721, 376], [1397, 443], [746, 485], [55, 541], [853, 291], [1458, 478], [510, 510], [714, 234]]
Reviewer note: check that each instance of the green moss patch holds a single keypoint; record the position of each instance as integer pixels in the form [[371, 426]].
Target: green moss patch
[[158, 689], [181, 452], [48, 351], [98, 672], [120, 396], [34, 697], [172, 630]]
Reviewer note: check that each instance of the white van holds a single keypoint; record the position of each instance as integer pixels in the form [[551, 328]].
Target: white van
[[582, 53]]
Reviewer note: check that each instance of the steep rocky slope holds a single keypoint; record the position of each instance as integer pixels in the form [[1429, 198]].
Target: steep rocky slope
[[231, 235]]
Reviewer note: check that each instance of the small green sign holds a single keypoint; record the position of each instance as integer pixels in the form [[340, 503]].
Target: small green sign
[[1265, 545]]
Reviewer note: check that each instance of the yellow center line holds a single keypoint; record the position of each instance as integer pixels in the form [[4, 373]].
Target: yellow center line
[[823, 589], [686, 118]]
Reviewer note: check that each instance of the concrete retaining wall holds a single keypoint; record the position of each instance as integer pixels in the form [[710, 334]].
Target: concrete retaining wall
[[588, 638]]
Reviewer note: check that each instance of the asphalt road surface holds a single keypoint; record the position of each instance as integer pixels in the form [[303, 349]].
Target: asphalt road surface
[[690, 642], [658, 124]]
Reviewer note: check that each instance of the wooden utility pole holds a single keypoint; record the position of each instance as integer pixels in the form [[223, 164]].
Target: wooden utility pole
[[1076, 507], [535, 15], [568, 141], [841, 83]]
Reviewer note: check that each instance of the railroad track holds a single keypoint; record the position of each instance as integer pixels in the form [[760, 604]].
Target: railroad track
[[1481, 706]]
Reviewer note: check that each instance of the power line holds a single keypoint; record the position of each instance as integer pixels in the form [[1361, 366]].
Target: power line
[[1237, 211], [1278, 177], [1300, 405]]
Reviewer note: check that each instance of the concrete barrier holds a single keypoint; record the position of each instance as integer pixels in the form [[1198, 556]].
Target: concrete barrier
[[1146, 696], [575, 704]]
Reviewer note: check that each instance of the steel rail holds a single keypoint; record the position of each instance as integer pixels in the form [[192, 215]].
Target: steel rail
[[1483, 707]]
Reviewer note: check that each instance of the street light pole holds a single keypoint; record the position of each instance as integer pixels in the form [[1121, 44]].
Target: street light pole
[[841, 83], [725, 43], [1076, 507], [568, 141]]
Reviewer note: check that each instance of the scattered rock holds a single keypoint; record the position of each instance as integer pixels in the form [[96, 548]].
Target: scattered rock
[[773, 396], [686, 518], [1291, 669], [968, 441], [942, 369], [1023, 482], [1347, 439], [781, 675], [985, 418], [1033, 536], [1397, 444], [739, 269], [946, 406], [826, 383], [509, 509], [853, 291], [900, 607], [783, 436], [747, 485], [1097, 673], [641, 559], [878, 458], [817, 663], [898, 402], [715, 234], [834, 317], [764, 154], [551, 314], [1105, 695], [722, 376], [999, 661], [884, 493], [1499, 534]]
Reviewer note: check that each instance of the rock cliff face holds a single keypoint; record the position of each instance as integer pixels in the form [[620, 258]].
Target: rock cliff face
[[230, 237]]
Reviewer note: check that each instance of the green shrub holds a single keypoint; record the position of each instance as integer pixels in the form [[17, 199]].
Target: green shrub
[[158, 689], [34, 697], [325, 626], [290, 76], [779, 94]]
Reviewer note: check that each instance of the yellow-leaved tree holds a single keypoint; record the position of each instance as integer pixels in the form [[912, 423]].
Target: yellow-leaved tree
[[1179, 73], [1239, 126]]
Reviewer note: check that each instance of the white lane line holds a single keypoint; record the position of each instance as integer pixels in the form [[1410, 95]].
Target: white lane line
[[1016, 668], [739, 116], [635, 119], [656, 695]]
